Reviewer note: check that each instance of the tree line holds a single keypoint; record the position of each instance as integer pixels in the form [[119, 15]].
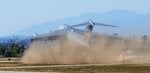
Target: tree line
[[14, 50]]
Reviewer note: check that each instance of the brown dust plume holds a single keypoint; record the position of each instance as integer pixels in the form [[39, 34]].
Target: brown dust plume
[[96, 49]]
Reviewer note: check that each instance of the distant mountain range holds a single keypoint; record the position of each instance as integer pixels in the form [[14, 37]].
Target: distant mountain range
[[130, 23]]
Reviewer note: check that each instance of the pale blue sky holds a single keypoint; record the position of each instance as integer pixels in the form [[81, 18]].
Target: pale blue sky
[[19, 14]]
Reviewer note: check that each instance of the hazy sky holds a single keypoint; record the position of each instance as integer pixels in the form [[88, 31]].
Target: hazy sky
[[18, 14]]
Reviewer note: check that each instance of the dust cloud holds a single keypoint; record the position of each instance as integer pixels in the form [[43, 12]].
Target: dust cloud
[[94, 49]]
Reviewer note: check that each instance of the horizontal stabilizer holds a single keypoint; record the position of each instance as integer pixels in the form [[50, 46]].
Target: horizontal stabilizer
[[100, 24], [93, 23], [82, 24]]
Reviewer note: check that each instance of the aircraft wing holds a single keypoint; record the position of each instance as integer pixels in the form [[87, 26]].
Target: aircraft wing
[[56, 34], [50, 36]]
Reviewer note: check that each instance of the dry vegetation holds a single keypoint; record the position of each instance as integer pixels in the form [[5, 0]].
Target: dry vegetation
[[118, 68]]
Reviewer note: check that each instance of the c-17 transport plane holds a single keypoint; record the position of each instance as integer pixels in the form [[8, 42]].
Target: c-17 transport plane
[[65, 30]]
